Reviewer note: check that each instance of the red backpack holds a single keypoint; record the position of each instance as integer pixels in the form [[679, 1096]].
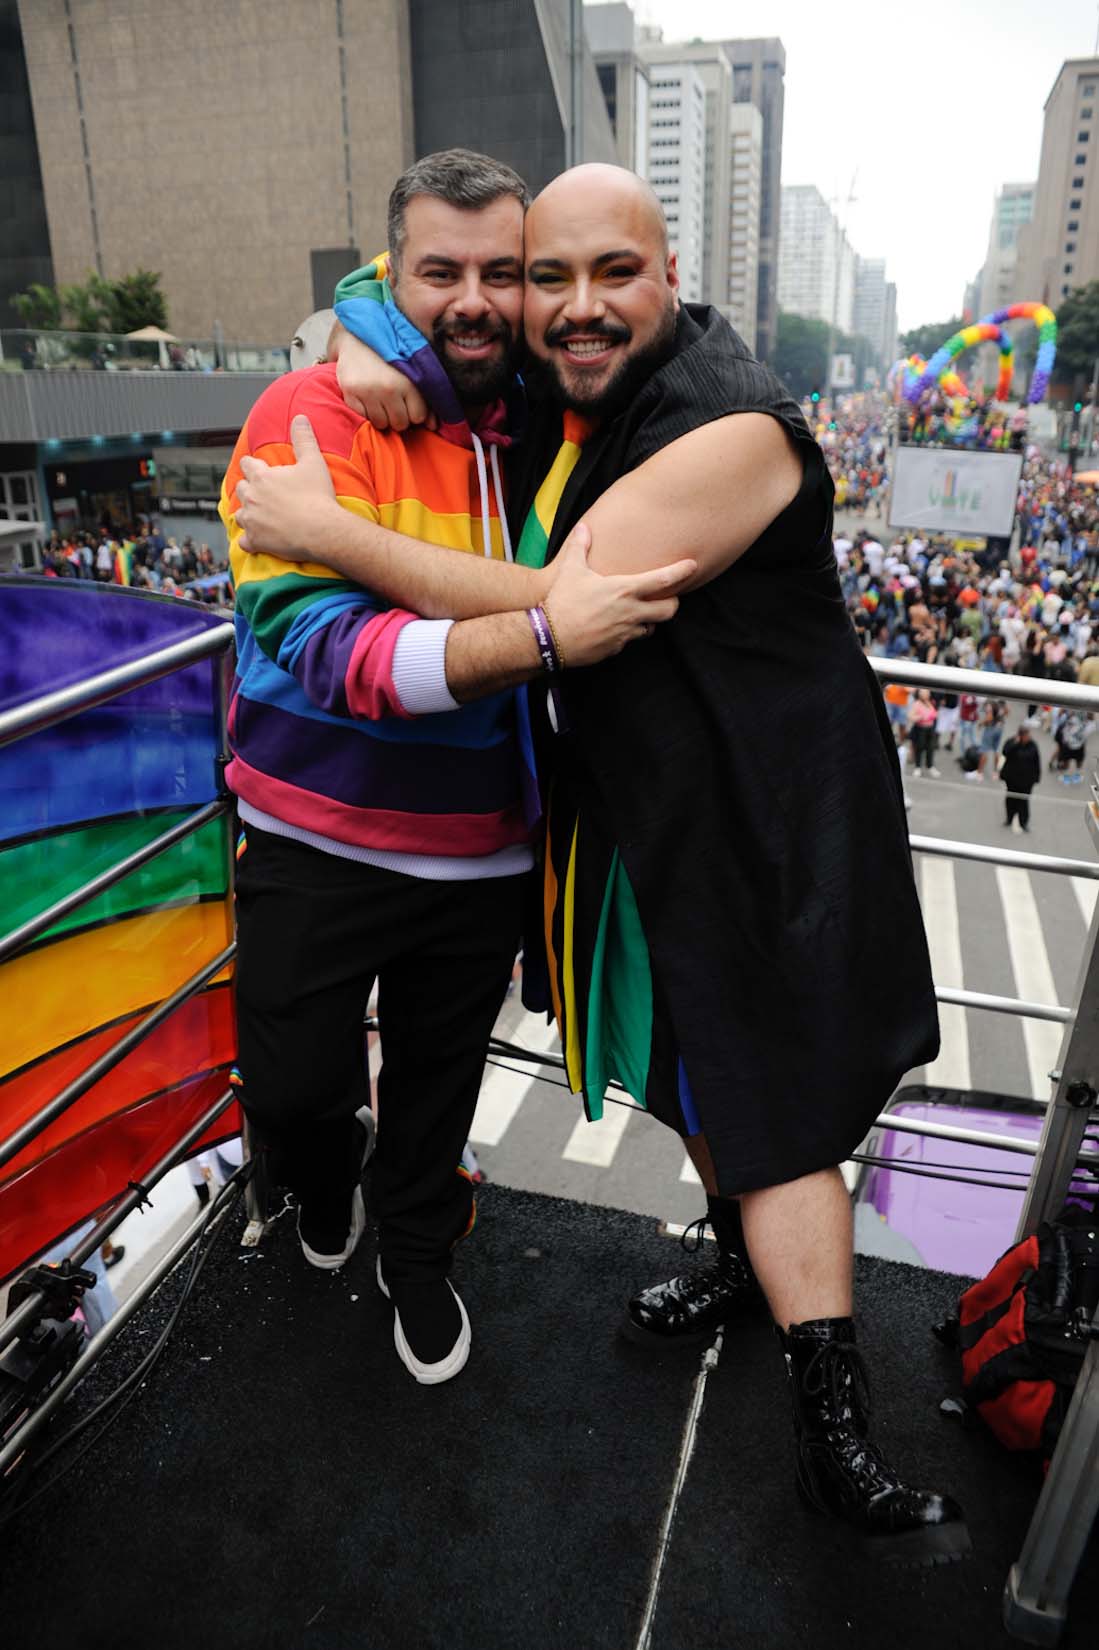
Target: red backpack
[[1023, 1331]]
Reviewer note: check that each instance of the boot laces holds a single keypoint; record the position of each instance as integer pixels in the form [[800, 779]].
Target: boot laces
[[694, 1236], [836, 1372]]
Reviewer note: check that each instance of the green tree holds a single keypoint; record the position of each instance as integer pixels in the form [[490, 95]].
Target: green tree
[[800, 354], [137, 301], [39, 308], [87, 304], [1078, 333], [926, 340]]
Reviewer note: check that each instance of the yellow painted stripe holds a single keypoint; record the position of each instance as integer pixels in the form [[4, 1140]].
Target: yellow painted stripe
[[548, 496], [65, 990], [549, 895], [572, 1034]]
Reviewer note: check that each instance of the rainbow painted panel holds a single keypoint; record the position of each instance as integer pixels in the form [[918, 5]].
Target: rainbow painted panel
[[74, 800], [34, 875]]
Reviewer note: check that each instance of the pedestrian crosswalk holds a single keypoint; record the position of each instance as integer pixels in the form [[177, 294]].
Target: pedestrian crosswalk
[[995, 929]]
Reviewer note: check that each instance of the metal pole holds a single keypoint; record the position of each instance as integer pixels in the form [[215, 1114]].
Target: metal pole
[[1035, 1605], [12, 1325], [71, 1093], [99, 1343], [44, 712], [989, 684], [20, 937], [985, 855], [1077, 1080]]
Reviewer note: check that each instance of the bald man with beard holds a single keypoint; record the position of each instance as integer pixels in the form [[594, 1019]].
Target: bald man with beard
[[708, 939]]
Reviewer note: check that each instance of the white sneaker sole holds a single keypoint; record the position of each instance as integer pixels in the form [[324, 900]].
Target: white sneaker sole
[[455, 1360], [332, 1263]]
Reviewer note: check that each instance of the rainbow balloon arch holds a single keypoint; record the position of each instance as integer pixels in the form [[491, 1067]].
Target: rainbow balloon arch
[[912, 378]]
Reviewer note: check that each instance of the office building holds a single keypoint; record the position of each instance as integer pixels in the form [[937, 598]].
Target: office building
[[1058, 249], [759, 69], [677, 164], [1013, 208], [816, 271], [247, 153], [623, 76], [874, 312]]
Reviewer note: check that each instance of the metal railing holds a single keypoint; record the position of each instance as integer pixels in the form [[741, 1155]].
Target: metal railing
[[1038, 1586], [42, 349], [20, 722]]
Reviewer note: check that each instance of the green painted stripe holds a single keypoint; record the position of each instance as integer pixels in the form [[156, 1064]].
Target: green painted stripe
[[620, 1002], [35, 875]]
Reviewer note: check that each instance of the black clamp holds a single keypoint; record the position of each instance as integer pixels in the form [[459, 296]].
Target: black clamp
[[61, 1287], [1080, 1094], [144, 1201]]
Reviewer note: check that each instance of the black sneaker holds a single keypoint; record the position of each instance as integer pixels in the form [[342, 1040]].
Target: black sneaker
[[431, 1329], [325, 1243]]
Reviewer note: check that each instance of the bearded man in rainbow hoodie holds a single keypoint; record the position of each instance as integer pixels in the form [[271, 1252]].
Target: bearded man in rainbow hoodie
[[382, 766]]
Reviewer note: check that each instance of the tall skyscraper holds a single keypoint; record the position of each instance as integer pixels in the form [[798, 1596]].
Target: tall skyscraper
[[1058, 250], [623, 79], [816, 272], [874, 313], [759, 69], [677, 165], [1014, 207]]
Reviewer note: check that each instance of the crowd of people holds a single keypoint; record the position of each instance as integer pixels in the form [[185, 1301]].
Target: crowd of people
[[1034, 613], [141, 556]]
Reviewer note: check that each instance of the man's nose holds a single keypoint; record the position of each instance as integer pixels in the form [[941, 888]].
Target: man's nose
[[472, 303], [585, 303]]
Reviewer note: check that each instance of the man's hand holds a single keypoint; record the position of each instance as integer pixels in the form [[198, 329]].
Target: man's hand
[[283, 508], [594, 615], [376, 391]]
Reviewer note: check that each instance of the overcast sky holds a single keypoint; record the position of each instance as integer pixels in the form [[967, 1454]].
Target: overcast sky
[[932, 103]]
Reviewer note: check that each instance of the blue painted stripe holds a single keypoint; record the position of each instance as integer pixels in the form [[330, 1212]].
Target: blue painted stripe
[[686, 1100]]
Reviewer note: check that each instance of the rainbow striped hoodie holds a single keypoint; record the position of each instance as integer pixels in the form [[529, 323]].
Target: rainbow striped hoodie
[[343, 733]]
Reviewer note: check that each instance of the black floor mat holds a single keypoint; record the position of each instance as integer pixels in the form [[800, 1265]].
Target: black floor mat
[[749, 1565], [283, 1481]]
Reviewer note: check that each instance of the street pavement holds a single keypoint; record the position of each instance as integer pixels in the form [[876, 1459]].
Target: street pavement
[[1007, 931]]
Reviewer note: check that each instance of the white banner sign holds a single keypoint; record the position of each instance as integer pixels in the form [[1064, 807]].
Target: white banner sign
[[843, 372], [947, 490]]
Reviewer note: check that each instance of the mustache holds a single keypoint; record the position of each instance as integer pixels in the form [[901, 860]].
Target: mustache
[[480, 329], [614, 335]]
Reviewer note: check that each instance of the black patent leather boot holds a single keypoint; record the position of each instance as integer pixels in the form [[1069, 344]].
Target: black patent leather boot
[[687, 1309], [840, 1472]]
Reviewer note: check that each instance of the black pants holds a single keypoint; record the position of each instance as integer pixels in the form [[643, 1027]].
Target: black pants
[[314, 932], [1018, 807]]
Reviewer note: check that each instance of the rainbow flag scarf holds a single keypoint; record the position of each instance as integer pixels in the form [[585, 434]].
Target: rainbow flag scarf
[[597, 956]]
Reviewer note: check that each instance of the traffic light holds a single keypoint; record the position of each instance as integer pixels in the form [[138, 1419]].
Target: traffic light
[[1078, 406], [815, 397]]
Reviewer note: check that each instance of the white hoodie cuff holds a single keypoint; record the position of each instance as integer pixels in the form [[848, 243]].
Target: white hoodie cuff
[[419, 667]]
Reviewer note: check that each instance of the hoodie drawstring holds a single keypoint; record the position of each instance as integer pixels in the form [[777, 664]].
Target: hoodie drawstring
[[498, 487], [482, 483]]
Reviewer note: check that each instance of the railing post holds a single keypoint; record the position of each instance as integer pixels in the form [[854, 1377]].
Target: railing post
[[1036, 1595], [1074, 1095]]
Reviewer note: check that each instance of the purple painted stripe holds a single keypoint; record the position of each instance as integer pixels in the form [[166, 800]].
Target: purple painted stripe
[[345, 763]]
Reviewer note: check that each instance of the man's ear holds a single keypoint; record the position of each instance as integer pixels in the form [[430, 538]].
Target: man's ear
[[671, 270]]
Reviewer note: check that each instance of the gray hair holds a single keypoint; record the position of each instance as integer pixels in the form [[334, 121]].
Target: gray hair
[[460, 177]]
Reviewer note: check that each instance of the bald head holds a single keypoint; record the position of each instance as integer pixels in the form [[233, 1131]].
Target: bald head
[[602, 287], [609, 194]]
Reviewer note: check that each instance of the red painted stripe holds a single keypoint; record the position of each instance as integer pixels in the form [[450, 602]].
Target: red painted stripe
[[405, 833], [200, 1034], [1017, 1415], [88, 1174]]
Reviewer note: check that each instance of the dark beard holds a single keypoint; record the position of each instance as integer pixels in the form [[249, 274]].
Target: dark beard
[[633, 371], [476, 383]]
